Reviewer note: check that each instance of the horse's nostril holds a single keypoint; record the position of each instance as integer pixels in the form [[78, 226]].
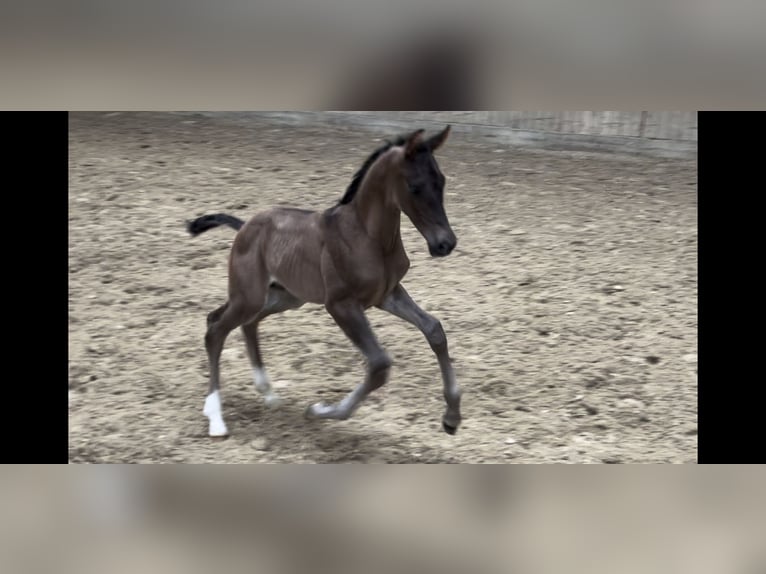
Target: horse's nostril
[[445, 247], [441, 249]]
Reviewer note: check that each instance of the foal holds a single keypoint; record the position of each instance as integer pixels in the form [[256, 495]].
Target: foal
[[348, 258]]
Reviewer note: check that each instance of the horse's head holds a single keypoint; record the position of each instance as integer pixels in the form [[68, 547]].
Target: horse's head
[[420, 193]]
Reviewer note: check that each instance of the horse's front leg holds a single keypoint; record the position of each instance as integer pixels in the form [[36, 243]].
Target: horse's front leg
[[349, 315], [399, 303]]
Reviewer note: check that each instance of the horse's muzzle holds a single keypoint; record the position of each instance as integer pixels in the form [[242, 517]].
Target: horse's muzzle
[[443, 248]]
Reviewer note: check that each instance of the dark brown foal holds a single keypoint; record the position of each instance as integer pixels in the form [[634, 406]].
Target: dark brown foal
[[348, 258]]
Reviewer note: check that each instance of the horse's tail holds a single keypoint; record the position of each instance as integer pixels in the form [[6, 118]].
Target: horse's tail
[[206, 222]]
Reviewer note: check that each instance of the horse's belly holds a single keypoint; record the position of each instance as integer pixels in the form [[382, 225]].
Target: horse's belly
[[300, 277], [293, 261]]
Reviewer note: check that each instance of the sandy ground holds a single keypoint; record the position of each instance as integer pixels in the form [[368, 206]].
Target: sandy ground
[[570, 303]]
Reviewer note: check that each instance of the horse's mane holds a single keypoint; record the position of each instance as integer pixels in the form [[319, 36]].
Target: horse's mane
[[356, 181]]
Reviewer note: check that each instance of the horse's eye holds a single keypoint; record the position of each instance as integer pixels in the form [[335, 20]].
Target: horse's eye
[[414, 190]]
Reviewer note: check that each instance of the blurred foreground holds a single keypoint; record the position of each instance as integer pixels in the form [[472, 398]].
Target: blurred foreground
[[480, 55], [706, 520]]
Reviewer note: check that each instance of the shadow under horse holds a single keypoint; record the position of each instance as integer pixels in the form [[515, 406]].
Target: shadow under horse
[[348, 258]]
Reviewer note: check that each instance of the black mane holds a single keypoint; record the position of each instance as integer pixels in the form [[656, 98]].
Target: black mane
[[356, 181]]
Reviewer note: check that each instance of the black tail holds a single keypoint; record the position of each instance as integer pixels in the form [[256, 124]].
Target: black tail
[[210, 221]]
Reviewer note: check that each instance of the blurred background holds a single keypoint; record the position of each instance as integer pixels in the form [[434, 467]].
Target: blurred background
[[659, 134], [550, 54]]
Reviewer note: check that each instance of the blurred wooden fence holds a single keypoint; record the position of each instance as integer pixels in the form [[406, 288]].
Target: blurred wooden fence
[[652, 125], [664, 134]]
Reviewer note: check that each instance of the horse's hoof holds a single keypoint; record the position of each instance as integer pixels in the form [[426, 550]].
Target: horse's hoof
[[322, 411], [217, 429], [219, 438], [448, 428], [312, 412]]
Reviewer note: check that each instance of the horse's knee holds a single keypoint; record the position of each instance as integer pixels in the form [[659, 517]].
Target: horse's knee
[[435, 334]]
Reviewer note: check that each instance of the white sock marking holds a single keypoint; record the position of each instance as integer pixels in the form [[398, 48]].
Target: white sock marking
[[262, 383], [263, 386], [212, 411]]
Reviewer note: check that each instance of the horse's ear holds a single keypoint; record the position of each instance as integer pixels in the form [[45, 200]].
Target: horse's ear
[[412, 143], [435, 142]]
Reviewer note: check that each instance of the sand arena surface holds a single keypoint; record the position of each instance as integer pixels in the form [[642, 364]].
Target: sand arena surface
[[570, 303]]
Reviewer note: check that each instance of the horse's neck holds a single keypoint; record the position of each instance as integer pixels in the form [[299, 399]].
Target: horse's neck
[[378, 214]]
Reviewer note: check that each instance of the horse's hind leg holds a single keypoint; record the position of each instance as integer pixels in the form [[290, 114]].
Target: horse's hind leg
[[277, 301], [248, 287], [220, 323]]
